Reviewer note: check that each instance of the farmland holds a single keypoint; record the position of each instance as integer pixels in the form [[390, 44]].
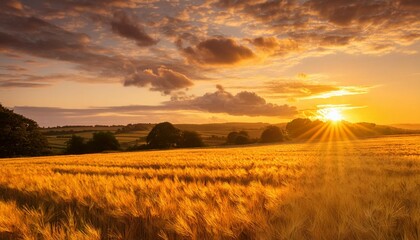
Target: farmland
[[361, 189], [212, 134]]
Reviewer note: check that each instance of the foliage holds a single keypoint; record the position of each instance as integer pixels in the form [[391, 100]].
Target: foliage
[[163, 135], [272, 134], [238, 138], [133, 127], [301, 126], [100, 142], [20, 136], [189, 139], [76, 145], [103, 141]]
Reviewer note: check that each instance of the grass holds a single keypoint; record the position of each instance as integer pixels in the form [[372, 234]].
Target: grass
[[365, 189]]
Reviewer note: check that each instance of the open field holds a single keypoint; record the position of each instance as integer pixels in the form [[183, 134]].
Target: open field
[[362, 189]]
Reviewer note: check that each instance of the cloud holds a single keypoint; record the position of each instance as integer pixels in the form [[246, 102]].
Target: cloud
[[329, 24], [218, 51], [126, 27], [36, 37], [241, 104], [275, 46], [308, 90], [164, 80]]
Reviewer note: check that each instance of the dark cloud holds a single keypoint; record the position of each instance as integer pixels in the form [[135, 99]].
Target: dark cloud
[[242, 104], [344, 13], [325, 23], [218, 51], [126, 27], [36, 37], [164, 80], [275, 46]]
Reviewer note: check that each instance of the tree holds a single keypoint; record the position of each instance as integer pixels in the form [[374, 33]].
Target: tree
[[272, 134], [303, 127], [238, 138], [190, 139], [103, 141], [20, 136], [163, 135], [231, 137], [76, 145]]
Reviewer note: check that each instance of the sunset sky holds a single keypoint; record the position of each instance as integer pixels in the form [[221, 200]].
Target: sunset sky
[[128, 61]]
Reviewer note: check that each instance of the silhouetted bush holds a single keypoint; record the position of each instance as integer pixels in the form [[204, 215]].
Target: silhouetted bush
[[302, 126], [20, 136], [272, 134], [103, 141], [238, 138], [190, 139], [100, 142], [76, 145], [163, 135]]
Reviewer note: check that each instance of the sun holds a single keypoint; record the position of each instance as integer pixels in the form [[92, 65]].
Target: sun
[[330, 114]]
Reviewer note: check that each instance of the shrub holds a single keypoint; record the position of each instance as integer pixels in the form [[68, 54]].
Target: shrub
[[272, 134], [103, 141], [238, 138], [163, 135], [76, 145], [190, 139]]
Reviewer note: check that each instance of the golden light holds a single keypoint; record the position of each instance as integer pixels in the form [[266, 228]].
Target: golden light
[[330, 114]]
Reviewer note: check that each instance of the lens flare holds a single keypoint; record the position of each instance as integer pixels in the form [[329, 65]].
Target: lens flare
[[330, 114]]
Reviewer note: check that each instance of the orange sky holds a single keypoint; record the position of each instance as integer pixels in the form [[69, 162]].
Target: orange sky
[[118, 62]]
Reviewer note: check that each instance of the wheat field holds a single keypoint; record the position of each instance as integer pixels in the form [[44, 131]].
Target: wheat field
[[364, 189]]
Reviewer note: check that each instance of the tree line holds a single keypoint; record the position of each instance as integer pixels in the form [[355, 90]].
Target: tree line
[[20, 136]]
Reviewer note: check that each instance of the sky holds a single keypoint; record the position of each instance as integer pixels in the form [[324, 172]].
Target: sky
[[79, 62]]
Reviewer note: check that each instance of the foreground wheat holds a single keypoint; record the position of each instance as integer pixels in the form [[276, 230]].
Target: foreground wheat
[[366, 189]]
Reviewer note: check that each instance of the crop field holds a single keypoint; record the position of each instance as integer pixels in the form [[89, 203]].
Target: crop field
[[362, 189]]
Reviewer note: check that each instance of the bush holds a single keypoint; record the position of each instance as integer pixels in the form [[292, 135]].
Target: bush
[[272, 134], [100, 142], [190, 139], [238, 138], [103, 141], [163, 135], [76, 145], [20, 136]]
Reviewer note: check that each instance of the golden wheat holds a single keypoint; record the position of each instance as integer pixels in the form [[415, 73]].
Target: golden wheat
[[365, 189]]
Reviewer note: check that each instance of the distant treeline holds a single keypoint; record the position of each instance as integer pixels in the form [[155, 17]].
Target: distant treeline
[[134, 127], [20, 136], [303, 128]]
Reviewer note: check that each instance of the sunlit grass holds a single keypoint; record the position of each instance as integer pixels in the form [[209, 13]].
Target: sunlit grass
[[361, 189]]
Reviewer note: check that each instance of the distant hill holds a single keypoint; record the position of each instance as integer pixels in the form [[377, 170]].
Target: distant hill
[[407, 126]]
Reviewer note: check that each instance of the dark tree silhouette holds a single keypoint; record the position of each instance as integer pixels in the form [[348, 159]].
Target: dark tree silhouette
[[163, 135], [231, 137], [76, 145], [302, 126], [190, 139], [20, 136], [238, 138], [103, 141], [272, 134]]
